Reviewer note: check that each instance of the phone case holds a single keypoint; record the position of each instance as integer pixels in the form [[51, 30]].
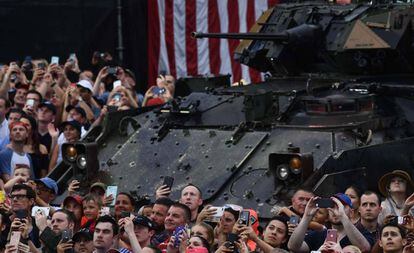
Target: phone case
[[112, 189], [15, 237]]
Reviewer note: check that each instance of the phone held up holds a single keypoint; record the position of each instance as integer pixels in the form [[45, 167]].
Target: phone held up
[[325, 203], [168, 181], [332, 235], [294, 220], [244, 217]]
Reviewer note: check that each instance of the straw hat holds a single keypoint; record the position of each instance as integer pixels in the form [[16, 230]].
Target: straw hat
[[384, 181]]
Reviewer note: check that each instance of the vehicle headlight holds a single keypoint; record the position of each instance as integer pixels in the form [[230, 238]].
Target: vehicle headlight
[[295, 165], [71, 153], [82, 162], [282, 172]]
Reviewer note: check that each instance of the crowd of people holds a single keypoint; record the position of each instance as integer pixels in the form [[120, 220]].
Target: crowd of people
[[43, 106]]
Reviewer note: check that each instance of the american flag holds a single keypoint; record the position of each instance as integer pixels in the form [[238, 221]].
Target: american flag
[[172, 49]]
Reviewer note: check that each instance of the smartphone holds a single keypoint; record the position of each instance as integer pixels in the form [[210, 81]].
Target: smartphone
[[117, 96], [294, 219], [42, 209], [325, 203], [331, 235], [162, 91], [156, 90], [15, 237], [112, 70], [117, 83], [66, 235], [21, 214], [125, 214], [177, 232], [231, 237], [112, 189], [168, 181], [217, 216], [401, 220], [112, 108], [41, 65], [54, 60], [30, 102], [105, 211], [72, 57], [244, 218]]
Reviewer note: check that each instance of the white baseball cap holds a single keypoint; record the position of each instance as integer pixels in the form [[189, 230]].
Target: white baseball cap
[[85, 84]]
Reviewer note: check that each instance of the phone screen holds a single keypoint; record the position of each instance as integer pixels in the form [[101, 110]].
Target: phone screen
[[72, 57], [30, 102], [54, 60]]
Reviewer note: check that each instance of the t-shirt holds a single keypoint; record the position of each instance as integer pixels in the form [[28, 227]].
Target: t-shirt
[[4, 130], [315, 239], [9, 159], [46, 140]]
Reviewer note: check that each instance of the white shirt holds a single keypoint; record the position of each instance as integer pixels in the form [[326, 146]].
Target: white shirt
[[4, 129]]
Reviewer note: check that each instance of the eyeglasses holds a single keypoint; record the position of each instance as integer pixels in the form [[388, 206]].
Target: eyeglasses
[[17, 196]]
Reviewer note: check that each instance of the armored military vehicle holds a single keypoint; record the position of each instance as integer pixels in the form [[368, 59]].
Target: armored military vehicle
[[336, 109]]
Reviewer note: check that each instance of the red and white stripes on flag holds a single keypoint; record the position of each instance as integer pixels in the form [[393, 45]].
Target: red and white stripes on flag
[[171, 47]]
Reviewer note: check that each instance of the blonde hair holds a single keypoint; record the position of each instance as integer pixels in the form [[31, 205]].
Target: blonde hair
[[352, 248]]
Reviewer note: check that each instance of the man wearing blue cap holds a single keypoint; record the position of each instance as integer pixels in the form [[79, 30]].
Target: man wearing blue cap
[[347, 233], [46, 189]]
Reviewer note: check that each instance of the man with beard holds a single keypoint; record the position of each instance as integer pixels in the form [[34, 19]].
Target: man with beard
[[369, 210], [52, 235], [347, 233], [158, 215], [14, 153], [14, 115]]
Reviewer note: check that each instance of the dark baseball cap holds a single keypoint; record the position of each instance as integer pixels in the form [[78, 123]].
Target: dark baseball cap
[[73, 123], [83, 233], [144, 221], [79, 109], [22, 86], [49, 106]]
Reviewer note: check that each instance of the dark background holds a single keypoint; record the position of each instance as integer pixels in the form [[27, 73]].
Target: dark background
[[44, 28]]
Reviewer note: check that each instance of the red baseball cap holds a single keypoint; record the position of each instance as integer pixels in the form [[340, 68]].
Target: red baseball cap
[[76, 198]]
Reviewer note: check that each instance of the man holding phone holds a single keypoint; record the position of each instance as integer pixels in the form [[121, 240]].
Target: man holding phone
[[61, 229], [347, 233], [22, 199]]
